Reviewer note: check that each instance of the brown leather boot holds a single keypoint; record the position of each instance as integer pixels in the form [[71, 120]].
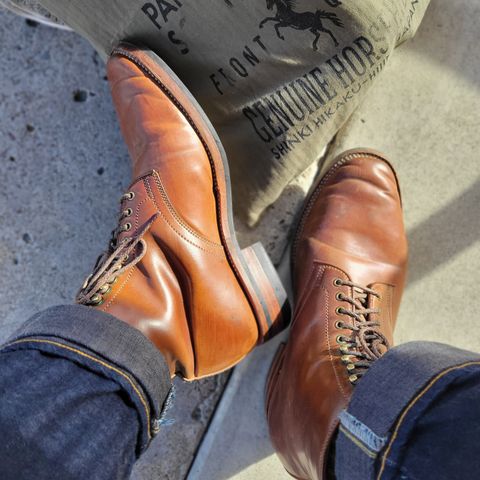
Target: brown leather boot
[[173, 268], [349, 267]]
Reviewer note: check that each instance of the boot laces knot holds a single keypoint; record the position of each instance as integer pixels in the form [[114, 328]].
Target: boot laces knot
[[120, 256], [366, 343]]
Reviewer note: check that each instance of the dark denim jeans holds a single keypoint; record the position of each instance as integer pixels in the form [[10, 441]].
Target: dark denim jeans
[[414, 415], [82, 394]]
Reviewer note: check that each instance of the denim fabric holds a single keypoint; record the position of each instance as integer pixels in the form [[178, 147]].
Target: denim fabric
[[60, 421], [415, 407], [109, 338], [83, 333], [443, 443], [107, 346]]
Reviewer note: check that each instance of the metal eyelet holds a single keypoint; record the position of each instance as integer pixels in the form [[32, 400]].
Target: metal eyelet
[[105, 289], [337, 282], [345, 358], [344, 348], [350, 367], [128, 212], [339, 296], [339, 310], [127, 227], [96, 300], [339, 325], [341, 339], [353, 379], [127, 196]]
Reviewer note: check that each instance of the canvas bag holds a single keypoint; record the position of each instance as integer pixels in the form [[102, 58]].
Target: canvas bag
[[277, 78]]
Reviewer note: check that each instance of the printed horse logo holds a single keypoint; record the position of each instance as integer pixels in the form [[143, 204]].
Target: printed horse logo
[[287, 17]]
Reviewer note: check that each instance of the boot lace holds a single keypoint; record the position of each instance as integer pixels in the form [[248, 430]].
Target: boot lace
[[366, 343], [120, 256]]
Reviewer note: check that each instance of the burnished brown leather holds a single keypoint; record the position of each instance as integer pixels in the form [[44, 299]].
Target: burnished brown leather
[[351, 229], [180, 277]]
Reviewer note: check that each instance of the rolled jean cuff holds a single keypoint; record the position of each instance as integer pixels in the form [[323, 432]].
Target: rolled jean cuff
[[102, 343], [387, 401]]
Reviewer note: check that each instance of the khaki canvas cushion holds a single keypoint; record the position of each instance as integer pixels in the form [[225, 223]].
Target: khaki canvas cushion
[[277, 78]]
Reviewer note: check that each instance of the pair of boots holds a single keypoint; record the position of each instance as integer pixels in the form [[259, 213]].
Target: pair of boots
[[174, 270]]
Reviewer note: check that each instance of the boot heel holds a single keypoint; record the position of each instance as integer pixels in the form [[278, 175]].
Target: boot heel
[[273, 308]]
